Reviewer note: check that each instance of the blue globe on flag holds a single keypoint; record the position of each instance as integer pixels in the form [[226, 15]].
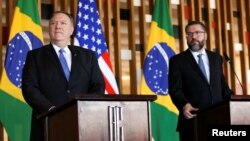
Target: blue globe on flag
[[156, 68], [17, 50]]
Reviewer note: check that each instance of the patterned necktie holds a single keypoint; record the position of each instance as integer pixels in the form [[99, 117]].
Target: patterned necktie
[[201, 65], [64, 64]]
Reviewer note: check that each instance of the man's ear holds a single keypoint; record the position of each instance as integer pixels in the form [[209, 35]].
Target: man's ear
[[72, 34]]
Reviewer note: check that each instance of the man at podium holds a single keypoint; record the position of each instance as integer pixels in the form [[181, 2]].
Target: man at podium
[[196, 79], [56, 72]]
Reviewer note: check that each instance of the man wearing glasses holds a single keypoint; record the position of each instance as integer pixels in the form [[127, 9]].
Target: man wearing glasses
[[196, 79]]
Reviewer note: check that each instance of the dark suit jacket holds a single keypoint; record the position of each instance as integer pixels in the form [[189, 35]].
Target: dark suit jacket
[[44, 84], [187, 84]]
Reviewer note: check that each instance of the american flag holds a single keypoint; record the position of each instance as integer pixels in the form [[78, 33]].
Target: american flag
[[89, 35]]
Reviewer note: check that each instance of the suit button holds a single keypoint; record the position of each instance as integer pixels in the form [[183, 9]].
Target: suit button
[[68, 91]]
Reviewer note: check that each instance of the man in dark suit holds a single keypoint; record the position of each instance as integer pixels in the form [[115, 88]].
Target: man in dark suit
[[195, 84], [44, 83]]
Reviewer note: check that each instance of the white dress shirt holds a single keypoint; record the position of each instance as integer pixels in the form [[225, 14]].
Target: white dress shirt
[[67, 54]]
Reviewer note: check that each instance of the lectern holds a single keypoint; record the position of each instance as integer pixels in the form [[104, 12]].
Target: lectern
[[236, 111], [101, 118]]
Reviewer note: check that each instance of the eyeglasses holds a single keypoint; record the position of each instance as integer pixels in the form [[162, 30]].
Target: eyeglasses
[[196, 33]]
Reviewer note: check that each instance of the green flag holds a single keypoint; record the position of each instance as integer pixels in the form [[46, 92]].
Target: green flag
[[160, 49], [25, 35]]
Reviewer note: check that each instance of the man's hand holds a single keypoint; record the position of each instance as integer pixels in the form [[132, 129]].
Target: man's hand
[[189, 111]]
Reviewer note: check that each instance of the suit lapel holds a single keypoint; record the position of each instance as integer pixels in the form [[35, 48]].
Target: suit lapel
[[190, 58], [74, 62], [212, 65]]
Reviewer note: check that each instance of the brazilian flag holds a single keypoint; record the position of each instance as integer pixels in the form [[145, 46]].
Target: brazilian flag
[[161, 47], [25, 35]]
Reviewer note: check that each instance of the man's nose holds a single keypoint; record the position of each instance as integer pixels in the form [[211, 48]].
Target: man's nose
[[58, 25]]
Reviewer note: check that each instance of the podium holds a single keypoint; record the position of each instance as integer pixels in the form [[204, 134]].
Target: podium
[[100, 118], [235, 111]]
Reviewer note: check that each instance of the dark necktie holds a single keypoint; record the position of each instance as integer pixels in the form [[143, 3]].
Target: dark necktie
[[201, 65], [64, 64]]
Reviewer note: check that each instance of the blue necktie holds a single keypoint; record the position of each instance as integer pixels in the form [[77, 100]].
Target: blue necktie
[[64, 64], [201, 65]]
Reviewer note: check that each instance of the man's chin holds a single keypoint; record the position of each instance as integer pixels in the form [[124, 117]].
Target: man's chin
[[195, 47]]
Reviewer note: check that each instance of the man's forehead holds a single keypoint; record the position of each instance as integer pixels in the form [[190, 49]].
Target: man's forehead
[[196, 26], [60, 16]]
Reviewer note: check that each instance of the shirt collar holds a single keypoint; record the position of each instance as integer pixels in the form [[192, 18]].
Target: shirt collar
[[195, 53], [57, 48]]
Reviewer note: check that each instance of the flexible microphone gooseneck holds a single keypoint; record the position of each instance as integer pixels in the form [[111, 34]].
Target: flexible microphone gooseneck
[[232, 68]]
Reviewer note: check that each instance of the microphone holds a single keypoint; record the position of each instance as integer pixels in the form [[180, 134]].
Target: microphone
[[232, 68], [227, 58]]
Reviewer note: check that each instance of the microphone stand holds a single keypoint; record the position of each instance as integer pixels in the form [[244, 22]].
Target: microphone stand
[[232, 68]]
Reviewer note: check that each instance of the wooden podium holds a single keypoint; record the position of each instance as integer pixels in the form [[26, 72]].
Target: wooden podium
[[101, 118], [236, 111]]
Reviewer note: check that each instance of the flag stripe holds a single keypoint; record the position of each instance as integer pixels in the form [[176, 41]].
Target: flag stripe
[[108, 74], [25, 35], [13, 115], [28, 9], [105, 56], [165, 126], [89, 35], [108, 86], [166, 25], [161, 47]]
